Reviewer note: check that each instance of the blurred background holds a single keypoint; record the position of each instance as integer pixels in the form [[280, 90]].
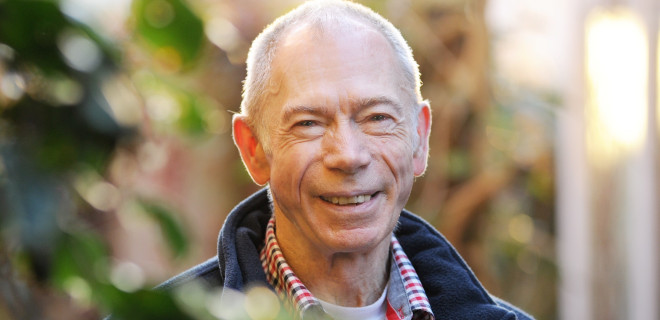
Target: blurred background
[[117, 167]]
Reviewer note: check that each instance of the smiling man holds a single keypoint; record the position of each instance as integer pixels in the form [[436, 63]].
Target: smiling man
[[333, 123]]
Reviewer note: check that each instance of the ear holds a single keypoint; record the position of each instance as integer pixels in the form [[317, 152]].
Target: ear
[[423, 129], [252, 152]]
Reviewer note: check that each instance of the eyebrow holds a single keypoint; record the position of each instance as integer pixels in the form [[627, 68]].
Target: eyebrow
[[290, 111], [361, 104], [370, 102]]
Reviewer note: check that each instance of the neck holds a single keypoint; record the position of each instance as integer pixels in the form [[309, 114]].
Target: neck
[[350, 279]]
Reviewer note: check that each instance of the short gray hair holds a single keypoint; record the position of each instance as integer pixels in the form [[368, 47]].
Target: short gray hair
[[317, 12]]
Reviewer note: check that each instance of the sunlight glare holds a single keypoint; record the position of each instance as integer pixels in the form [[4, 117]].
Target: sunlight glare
[[617, 69]]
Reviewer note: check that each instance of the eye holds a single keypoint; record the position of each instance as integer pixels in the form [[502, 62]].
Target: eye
[[305, 123], [378, 117], [308, 128]]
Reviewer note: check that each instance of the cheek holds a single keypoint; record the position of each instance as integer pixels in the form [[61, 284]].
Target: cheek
[[397, 155], [289, 166]]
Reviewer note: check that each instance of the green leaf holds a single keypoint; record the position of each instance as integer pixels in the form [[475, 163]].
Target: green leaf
[[31, 28], [192, 119], [170, 29], [80, 254], [141, 304], [172, 231]]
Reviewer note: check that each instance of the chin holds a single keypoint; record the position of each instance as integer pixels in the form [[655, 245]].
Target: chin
[[357, 240]]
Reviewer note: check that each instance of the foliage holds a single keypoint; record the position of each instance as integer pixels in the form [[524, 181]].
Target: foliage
[[56, 125], [171, 30]]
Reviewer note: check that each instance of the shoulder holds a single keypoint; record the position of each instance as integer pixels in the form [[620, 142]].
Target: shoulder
[[208, 272], [520, 315], [237, 262], [451, 286]]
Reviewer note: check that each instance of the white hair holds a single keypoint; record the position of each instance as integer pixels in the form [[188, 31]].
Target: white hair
[[317, 13]]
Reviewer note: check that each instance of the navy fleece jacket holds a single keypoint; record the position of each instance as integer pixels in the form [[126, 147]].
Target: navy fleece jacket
[[452, 288]]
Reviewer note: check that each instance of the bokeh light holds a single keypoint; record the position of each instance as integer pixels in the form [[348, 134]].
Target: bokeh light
[[127, 276], [617, 72]]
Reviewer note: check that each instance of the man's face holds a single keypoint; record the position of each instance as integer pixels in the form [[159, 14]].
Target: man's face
[[342, 158]]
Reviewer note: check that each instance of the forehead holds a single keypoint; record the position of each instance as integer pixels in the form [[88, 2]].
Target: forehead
[[333, 62], [341, 33]]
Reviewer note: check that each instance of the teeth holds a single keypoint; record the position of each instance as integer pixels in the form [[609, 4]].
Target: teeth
[[349, 200]]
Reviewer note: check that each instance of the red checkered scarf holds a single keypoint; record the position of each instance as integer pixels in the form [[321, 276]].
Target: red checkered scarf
[[294, 293]]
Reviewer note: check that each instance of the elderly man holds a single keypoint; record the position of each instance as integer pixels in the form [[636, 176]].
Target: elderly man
[[333, 122]]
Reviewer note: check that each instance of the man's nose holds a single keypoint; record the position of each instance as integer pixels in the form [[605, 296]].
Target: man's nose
[[345, 149]]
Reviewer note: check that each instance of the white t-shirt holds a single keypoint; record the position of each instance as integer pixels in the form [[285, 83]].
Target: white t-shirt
[[374, 311]]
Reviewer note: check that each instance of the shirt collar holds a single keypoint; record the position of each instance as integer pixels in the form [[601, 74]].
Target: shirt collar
[[405, 297]]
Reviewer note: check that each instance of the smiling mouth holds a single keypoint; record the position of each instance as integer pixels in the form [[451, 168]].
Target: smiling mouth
[[347, 201]]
